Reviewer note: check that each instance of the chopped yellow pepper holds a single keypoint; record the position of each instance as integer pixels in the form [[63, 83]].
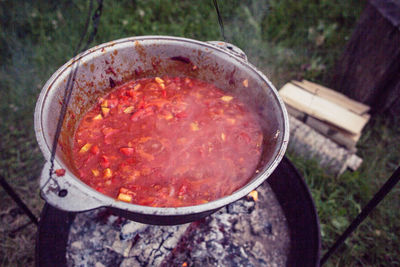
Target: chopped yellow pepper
[[227, 98], [129, 110], [194, 126], [98, 117], [85, 148], [107, 173], [105, 111], [95, 172], [124, 197]]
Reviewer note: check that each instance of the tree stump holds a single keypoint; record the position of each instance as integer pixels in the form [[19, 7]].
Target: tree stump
[[369, 69]]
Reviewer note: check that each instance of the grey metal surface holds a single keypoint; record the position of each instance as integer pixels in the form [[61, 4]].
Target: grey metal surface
[[150, 56]]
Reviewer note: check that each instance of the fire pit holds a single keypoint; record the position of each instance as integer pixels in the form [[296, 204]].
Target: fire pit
[[279, 228], [89, 75]]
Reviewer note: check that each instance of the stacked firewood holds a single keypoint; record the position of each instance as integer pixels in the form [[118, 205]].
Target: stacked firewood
[[324, 124]]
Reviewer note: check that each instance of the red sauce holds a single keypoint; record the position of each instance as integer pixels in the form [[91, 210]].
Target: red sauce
[[167, 142]]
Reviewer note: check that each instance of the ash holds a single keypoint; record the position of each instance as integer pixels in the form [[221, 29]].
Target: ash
[[245, 233]]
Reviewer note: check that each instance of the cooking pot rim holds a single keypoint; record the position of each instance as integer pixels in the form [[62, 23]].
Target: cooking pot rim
[[162, 211]]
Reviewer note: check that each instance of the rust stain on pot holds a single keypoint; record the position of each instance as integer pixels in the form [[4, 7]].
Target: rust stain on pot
[[89, 84], [140, 50], [100, 83], [91, 67], [230, 77], [155, 62]]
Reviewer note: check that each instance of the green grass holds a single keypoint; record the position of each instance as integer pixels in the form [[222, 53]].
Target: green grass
[[339, 200], [285, 39]]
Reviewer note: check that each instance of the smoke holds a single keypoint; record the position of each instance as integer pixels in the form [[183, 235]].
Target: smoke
[[246, 25], [243, 27]]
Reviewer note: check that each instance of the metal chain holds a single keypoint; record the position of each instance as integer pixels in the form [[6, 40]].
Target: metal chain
[[96, 20], [221, 23], [67, 95], [85, 29], [70, 85]]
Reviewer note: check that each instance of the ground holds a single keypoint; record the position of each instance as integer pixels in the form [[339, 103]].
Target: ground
[[285, 39]]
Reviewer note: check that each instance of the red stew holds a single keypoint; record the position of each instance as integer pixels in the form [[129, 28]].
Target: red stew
[[167, 142]]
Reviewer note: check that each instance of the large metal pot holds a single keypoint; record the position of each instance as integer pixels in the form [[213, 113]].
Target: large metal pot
[[99, 67]]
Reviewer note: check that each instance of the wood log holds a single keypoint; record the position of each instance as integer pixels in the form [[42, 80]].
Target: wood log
[[337, 135], [333, 96], [368, 71], [322, 109], [308, 143]]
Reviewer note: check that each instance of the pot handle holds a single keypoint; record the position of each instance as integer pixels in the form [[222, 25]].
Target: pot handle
[[230, 48], [64, 193]]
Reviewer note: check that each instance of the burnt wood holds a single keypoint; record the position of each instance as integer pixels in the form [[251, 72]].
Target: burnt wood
[[368, 70], [287, 184]]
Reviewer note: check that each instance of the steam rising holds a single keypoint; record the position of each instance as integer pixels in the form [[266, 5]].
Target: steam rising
[[197, 145]]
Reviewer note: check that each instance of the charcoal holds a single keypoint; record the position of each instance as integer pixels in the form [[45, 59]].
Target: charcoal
[[245, 233]]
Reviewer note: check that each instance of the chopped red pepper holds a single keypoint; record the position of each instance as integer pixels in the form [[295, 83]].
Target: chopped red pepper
[[131, 93], [95, 150], [127, 151], [181, 115], [104, 162], [135, 116], [100, 189], [60, 172], [141, 104]]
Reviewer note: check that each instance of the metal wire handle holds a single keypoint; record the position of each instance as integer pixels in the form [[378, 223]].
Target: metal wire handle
[[67, 95], [221, 23], [70, 86]]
